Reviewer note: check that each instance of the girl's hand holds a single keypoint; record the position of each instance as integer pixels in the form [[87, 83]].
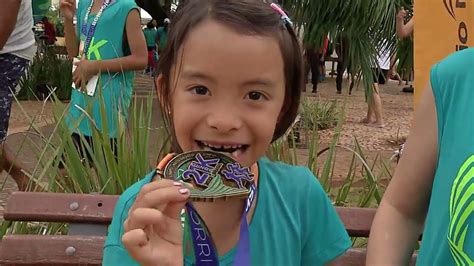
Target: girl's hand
[[85, 69], [68, 8], [153, 229]]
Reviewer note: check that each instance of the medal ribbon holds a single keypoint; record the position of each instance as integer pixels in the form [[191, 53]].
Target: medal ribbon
[[204, 248], [89, 34]]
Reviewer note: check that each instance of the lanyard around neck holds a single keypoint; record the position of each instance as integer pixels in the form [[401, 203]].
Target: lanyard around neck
[[90, 33]]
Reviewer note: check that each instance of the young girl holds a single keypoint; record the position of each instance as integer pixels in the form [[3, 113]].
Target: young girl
[[433, 187], [107, 40], [231, 81]]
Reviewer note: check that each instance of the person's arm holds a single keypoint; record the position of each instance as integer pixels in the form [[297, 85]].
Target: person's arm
[[405, 30], [138, 59], [402, 212], [68, 10], [8, 17], [72, 43]]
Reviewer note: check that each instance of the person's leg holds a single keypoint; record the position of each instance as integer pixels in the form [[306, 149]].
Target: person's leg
[[370, 118], [339, 77], [371, 113], [11, 69], [377, 107], [314, 65], [306, 69], [322, 68]]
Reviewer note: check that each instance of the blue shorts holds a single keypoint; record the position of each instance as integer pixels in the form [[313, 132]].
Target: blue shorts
[[12, 68]]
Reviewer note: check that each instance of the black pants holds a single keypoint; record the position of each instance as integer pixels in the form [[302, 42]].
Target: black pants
[[380, 75], [82, 150], [314, 58], [341, 68]]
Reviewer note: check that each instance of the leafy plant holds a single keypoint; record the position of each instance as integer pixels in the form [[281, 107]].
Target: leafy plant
[[318, 114], [47, 72]]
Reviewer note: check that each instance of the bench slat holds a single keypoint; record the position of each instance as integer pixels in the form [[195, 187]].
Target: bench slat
[[59, 207], [88, 250], [30, 250], [357, 221], [55, 207]]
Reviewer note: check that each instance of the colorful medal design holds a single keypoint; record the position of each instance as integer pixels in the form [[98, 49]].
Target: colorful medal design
[[212, 175]]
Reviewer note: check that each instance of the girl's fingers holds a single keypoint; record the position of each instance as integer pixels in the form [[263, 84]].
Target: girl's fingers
[[150, 209], [162, 197], [152, 186], [142, 217], [137, 244]]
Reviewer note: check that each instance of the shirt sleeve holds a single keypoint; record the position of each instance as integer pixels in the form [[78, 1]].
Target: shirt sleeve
[[326, 237], [114, 251], [117, 255]]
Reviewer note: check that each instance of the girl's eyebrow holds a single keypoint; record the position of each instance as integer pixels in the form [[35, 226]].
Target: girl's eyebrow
[[192, 74], [259, 82]]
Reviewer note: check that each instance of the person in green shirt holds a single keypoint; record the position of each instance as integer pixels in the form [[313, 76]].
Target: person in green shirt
[[162, 36], [107, 45], [151, 36], [432, 191]]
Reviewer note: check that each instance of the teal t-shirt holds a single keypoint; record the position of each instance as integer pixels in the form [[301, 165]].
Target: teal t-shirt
[[150, 36], [294, 222], [113, 89], [448, 238], [163, 35]]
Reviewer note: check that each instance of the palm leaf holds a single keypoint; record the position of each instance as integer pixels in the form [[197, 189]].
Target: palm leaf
[[367, 25]]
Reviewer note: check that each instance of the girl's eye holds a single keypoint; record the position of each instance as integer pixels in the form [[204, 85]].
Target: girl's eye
[[255, 96], [200, 90]]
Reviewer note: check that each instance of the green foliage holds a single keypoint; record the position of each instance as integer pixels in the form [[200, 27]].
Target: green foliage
[[318, 114], [367, 26], [361, 182], [47, 72]]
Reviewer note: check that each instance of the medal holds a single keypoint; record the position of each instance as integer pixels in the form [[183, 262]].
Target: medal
[[210, 175]]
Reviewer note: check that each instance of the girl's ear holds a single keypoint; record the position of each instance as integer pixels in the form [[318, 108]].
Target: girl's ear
[[158, 85], [159, 90]]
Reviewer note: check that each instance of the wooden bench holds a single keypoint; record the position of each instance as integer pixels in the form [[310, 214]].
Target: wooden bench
[[88, 216]]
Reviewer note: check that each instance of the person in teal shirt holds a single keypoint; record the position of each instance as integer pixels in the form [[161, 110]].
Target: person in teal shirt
[[151, 36], [433, 187], [162, 36], [212, 103], [112, 49]]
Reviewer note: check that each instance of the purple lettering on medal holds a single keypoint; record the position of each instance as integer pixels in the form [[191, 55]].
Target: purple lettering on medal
[[237, 174], [200, 170]]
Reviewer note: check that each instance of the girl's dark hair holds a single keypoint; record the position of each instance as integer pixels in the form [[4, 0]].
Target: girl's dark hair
[[250, 17], [150, 24]]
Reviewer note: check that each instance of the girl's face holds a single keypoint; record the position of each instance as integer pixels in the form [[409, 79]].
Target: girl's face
[[229, 92]]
